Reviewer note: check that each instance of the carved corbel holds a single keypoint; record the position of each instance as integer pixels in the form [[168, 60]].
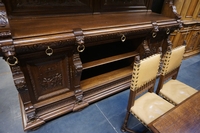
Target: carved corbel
[[155, 29], [77, 70]]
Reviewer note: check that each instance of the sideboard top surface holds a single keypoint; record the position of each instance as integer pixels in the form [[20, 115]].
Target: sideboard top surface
[[40, 26]]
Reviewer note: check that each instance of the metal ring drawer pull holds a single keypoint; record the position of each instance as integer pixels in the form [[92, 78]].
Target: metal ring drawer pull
[[80, 48], [167, 31], [154, 34], [12, 64], [49, 51], [123, 38]]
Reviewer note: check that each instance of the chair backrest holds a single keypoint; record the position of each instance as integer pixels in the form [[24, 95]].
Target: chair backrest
[[172, 59], [143, 76], [171, 63], [145, 71]]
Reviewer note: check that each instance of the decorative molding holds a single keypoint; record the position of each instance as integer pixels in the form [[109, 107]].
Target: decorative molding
[[42, 46], [106, 87], [117, 35], [56, 105], [5, 34], [87, 39]]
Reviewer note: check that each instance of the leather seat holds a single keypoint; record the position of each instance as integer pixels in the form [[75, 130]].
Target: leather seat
[[149, 105], [169, 87]]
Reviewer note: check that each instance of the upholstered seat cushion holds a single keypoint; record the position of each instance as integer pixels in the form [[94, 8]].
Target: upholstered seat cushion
[[176, 91], [149, 107]]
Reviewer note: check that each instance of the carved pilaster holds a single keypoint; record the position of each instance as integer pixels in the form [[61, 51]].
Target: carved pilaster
[[155, 29], [21, 86], [77, 70]]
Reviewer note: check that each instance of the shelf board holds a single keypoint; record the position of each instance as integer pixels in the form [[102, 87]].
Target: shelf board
[[106, 78], [108, 60]]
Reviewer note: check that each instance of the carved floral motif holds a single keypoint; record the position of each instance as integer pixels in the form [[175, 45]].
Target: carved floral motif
[[49, 77], [52, 81]]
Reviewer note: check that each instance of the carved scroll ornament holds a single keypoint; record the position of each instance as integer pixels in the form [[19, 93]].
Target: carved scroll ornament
[[171, 4], [3, 19]]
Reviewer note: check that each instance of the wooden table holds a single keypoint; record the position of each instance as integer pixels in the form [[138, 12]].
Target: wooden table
[[184, 118]]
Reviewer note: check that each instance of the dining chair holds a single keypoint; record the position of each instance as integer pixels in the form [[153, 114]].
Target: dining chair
[[148, 106], [169, 87]]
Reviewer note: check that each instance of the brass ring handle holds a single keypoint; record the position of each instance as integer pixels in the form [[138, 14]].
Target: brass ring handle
[[49, 51], [154, 34], [80, 48], [167, 31], [123, 38], [12, 64]]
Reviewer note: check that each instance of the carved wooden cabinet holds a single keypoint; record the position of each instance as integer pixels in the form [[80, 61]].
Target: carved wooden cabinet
[[190, 32], [63, 58]]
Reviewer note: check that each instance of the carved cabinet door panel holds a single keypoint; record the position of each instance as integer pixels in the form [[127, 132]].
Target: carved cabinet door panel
[[47, 76], [194, 39], [47, 7], [121, 5]]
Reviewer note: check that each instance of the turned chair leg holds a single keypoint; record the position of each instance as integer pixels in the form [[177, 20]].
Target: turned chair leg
[[124, 126]]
